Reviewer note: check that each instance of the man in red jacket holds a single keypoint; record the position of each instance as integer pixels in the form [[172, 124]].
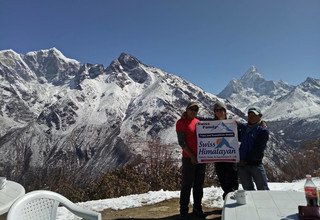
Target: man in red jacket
[[193, 173]]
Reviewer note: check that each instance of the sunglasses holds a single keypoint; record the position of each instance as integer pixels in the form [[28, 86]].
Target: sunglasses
[[219, 110]]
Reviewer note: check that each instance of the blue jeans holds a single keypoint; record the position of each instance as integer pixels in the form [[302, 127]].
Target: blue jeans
[[253, 173]]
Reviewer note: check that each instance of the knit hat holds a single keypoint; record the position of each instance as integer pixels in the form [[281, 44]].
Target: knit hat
[[219, 105]]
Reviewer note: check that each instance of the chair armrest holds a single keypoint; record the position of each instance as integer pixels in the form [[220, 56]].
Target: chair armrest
[[81, 212]]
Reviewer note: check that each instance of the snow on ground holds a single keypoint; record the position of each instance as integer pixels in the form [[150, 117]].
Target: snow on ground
[[211, 198]]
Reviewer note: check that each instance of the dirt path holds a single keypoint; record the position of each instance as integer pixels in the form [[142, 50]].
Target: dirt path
[[166, 210]]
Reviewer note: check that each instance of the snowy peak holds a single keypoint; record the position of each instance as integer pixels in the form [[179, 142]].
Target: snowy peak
[[247, 90], [311, 85], [254, 80], [9, 55], [128, 62], [297, 104], [13, 68], [52, 66], [127, 68], [252, 74], [301, 102], [290, 111], [52, 53], [125, 62], [279, 100]]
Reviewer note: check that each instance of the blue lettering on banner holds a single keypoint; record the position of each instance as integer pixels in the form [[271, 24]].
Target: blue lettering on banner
[[204, 151], [208, 144], [209, 127]]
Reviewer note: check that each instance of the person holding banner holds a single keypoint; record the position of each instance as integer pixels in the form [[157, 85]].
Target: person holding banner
[[226, 171], [253, 137], [193, 173]]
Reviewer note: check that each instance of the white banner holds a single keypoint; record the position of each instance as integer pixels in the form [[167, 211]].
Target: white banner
[[217, 141]]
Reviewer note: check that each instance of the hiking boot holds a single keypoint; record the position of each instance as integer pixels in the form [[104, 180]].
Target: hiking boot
[[183, 217], [199, 213]]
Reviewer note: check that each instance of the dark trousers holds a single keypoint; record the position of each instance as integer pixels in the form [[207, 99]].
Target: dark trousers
[[192, 177], [228, 176]]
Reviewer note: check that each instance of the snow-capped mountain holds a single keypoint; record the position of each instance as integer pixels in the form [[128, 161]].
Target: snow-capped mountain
[[253, 89], [291, 111], [85, 119], [60, 116]]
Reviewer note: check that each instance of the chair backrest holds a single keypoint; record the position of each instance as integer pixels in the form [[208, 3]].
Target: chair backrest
[[43, 205]]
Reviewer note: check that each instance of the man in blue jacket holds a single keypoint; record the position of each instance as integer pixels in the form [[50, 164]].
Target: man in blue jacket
[[253, 137]]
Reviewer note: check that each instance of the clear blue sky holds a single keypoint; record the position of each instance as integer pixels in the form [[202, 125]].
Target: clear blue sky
[[207, 42]]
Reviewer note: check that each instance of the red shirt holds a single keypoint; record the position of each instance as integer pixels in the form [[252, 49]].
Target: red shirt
[[188, 126]]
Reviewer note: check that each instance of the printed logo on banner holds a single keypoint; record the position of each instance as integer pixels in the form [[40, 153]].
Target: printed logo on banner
[[217, 141]]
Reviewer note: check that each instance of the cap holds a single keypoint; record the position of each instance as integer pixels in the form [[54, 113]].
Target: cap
[[190, 104], [255, 110], [218, 105]]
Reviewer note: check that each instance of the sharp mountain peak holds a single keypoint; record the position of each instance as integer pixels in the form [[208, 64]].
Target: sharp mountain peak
[[251, 74], [128, 61]]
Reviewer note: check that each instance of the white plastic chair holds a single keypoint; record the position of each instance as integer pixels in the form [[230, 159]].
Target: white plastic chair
[[43, 205]]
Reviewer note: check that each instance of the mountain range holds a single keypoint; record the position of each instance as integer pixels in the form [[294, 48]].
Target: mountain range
[[59, 115], [291, 111]]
